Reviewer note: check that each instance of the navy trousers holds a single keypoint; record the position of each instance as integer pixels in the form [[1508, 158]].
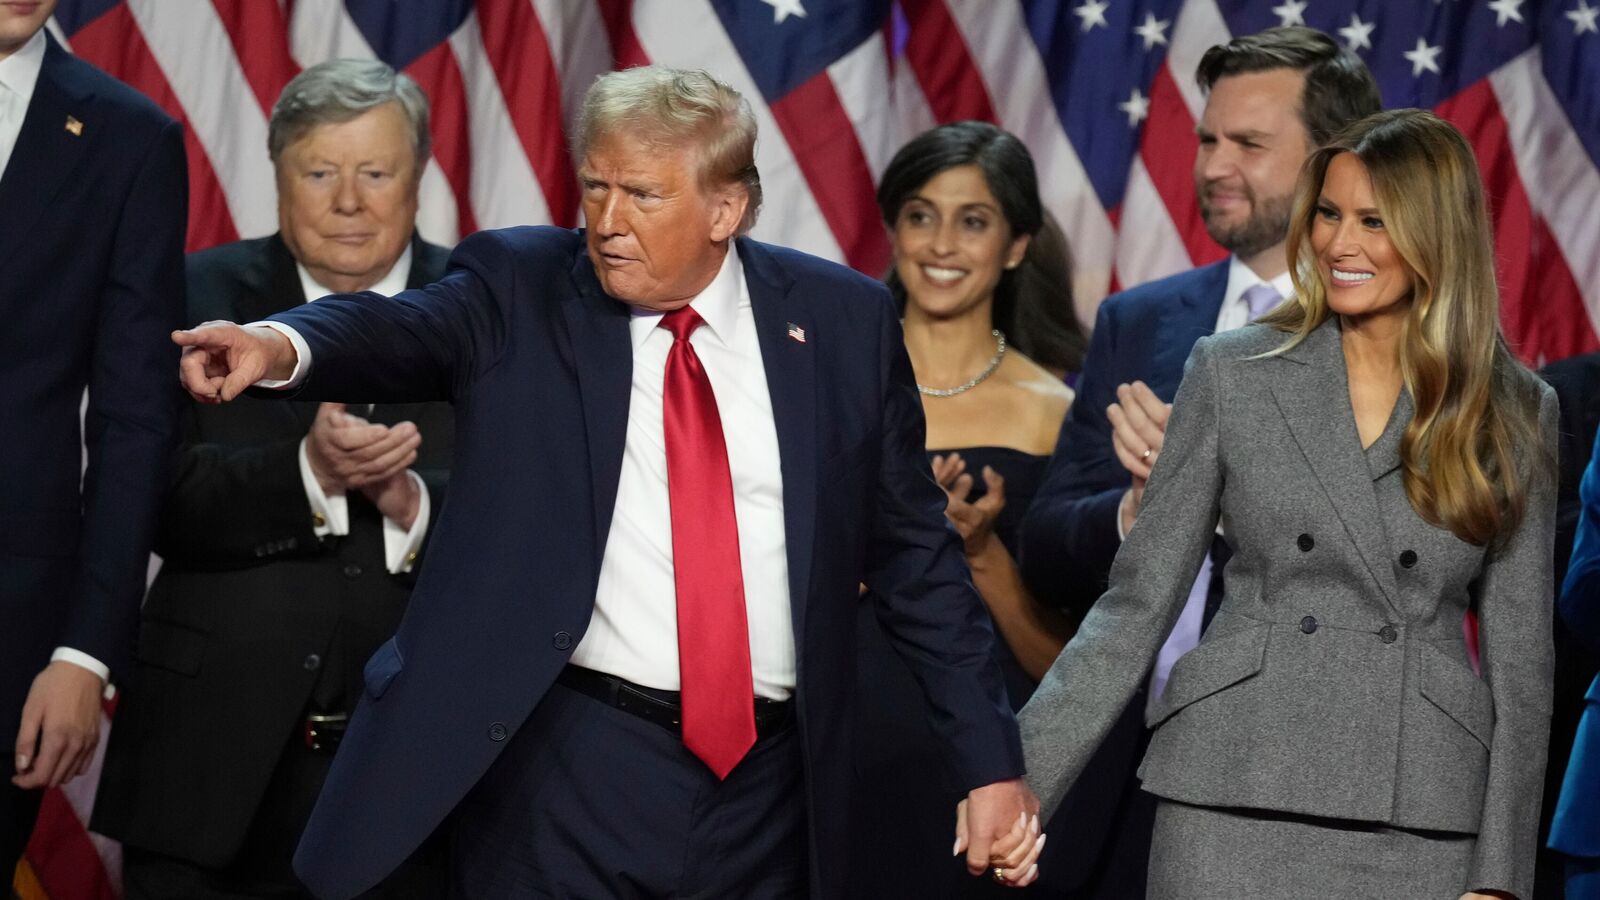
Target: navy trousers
[[588, 801]]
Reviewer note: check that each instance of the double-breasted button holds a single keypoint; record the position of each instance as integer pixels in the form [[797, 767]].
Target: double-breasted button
[[1308, 624], [312, 662], [497, 732], [1408, 558], [351, 570], [1306, 543], [1387, 634], [562, 640]]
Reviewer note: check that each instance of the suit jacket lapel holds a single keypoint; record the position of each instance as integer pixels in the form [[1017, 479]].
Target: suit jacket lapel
[[1312, 391], [790, 364], [597, 327], [46, 152], [1190, 318]]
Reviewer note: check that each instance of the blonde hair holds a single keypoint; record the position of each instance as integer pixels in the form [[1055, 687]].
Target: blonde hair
[[677, 108], [1477, 407]]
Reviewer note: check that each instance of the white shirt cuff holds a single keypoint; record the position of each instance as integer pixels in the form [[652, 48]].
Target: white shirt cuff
[[1122, 533], [400, 546], [84, 660], [302, 362], [330, 513]]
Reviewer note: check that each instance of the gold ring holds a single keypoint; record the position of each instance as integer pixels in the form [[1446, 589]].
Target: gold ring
[[998, 874]]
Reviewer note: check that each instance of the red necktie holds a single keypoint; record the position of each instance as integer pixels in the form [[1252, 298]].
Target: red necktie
[[719, 723]]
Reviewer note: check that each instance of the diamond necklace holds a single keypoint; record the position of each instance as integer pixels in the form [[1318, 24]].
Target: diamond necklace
[[994, 363]]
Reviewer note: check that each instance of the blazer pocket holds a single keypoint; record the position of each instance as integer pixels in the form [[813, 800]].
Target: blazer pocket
[[1213, 666], [1462, 695], [381, 669], [171, 647]]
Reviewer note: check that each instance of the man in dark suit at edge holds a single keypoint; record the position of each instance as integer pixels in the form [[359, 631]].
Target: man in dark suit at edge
[[93, 208], [292, 529], [627, 668], [1271, 98]]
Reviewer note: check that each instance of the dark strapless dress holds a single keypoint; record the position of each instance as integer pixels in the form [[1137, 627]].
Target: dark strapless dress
[[906, 794]]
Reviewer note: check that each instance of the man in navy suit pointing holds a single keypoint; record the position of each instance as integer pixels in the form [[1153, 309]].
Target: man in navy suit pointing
[[628, 667]]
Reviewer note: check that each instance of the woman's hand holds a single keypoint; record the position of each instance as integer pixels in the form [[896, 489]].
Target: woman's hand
[[1490, 895], [973, 520]]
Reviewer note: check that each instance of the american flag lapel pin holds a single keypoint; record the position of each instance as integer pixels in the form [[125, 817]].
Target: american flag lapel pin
[[74, 126], [796, 333]]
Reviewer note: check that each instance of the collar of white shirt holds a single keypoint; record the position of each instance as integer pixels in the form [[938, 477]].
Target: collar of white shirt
[[393, 282], [718, 304], [19, 72], [1241, 278]]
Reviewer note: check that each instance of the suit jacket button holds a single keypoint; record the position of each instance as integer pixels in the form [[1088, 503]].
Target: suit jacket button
[[1308, 624], [351, 570], [1408, 558], [562, 640], [1306, 543], [312, 662], [497, 732], [1387, 634]]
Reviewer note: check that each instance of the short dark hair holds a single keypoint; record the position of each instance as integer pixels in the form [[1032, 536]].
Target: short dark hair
[[1007, 168], [1338, 87]]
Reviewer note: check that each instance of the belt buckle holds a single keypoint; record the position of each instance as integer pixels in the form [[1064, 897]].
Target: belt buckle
[[323, 731]]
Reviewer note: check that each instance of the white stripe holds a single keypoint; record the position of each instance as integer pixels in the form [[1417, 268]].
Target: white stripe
[[859, 78], [1200, 27], [503, 187], [1009, 61], [1148, 243], [912, 113], [579, 48], [192, 48], [688, 34], [321, 30], [1564, 182]]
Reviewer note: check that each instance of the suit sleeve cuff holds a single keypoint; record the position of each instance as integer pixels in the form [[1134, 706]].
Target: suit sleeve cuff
[[85, 661], [330, 515], [302, 361], [400, 547]]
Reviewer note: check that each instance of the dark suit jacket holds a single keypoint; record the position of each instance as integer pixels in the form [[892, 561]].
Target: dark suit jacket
[[252, 619], [536, 358], [91, 283], [1576, 827], [1334, 680]]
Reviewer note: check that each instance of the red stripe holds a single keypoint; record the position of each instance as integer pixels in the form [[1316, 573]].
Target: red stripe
[[519, 53], [824, 143], [60, 852], [1168, 147], [259, 33], [114, 43], [626, 50], [440, 77], [938, 54], [1541, 308]]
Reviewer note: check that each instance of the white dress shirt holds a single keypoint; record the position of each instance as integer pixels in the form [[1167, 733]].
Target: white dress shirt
[[331, 512], [634, 631], [19, 72]]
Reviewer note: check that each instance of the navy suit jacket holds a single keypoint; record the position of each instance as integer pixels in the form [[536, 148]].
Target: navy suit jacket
[[1576, 826], [92, 220], [1069, 535], [536, 358]]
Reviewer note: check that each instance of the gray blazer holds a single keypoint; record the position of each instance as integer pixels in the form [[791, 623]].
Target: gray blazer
[[1334, 680]]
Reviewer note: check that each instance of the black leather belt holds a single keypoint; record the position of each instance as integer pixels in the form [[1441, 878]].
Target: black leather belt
[[663, 708], [324, 732]]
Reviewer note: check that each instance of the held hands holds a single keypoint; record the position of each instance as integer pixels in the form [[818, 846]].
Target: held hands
[[60, 726], [1138, 429], [221, 359], [998, 827], [975, 521], [346, 452]]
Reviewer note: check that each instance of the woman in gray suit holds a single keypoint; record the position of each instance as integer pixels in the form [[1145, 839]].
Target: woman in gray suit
[[1381, 465]]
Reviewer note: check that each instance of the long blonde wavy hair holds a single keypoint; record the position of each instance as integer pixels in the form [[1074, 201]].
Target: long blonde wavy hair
[[1477, 407]]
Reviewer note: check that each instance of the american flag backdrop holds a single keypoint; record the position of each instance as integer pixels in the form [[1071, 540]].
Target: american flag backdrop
[[1102, 92]]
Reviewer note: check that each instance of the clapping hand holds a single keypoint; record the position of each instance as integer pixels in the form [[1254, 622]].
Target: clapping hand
[[974, 520], [346, 452], [1138, 430]]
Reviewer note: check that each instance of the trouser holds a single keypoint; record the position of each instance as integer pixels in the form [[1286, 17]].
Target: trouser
[[589, 801]]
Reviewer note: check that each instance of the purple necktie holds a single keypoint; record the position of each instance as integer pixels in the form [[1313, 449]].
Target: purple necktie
[[1186, 632]]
